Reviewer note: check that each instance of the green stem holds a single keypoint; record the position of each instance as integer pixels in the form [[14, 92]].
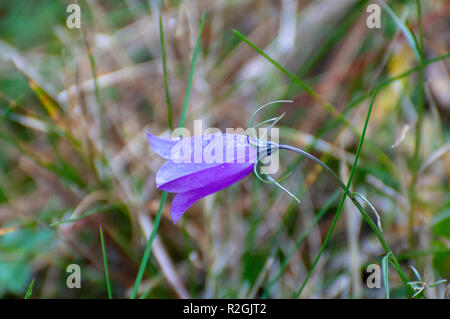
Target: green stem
[[101, 107], [328, 106], [388, 81], [164, 194], [191, 75], [148, 248], [29, 290], [352, 197], [418, 134], [105, 262], [166, 85], [341, 203]]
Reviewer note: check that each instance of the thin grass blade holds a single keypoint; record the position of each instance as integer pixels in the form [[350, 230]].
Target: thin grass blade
[[105, 262], [385, 272], [29, 290], [341, 204]]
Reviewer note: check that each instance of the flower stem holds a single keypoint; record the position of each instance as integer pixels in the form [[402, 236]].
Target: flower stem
[[164, 65], [148, 248], [418, 133], [346, 189], [164, 194], [361, 209], [314, 159], [105, 263]]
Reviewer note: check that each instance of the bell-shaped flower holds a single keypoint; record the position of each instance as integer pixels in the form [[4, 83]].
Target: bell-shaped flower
[[201, 165]]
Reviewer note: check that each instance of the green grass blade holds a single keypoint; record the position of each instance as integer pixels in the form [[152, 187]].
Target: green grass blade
[[29, 290], [406, 31], [388, 81], [164, 194], [418, 131], [419, 21], [294, 78], [105, 262], [339, 117], [93, 66], [328, 106], [191, 73], [164, 64], [385, 272], [372, 208], [387, 249], [341, 204], [148, 248], [51, 106]]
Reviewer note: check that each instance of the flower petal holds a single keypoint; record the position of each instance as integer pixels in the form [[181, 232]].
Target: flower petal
[[236, 155], [183, 177], [160, 145], [182, 201]]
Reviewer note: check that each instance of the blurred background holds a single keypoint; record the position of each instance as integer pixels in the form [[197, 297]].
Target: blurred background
[[75, 106]]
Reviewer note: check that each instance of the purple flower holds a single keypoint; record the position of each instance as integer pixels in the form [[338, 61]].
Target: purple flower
[[201, 165]]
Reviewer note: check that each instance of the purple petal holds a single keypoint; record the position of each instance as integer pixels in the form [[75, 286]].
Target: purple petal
[[161, 146], [182, 177], [183, 201]]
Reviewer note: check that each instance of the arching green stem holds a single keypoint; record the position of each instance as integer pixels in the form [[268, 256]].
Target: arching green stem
[[352, 195]]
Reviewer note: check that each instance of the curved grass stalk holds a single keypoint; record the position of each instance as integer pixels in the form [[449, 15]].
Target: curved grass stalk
[[377, 229], [356, 203]]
